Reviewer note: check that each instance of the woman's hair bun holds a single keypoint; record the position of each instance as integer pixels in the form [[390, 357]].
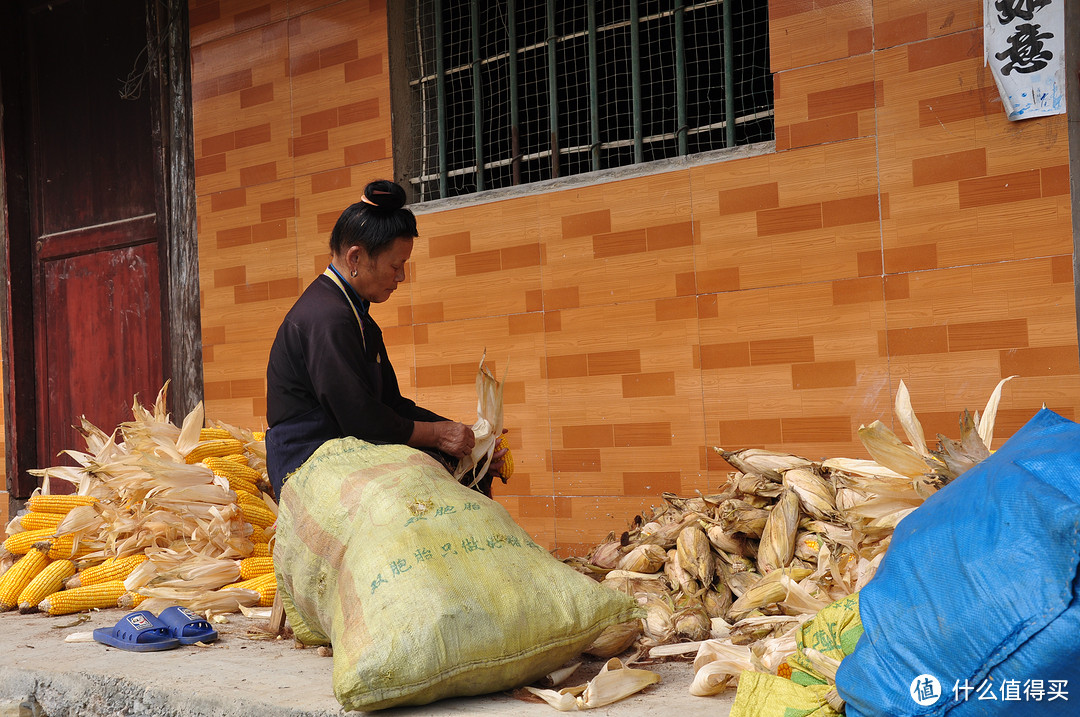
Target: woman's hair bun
[[385, 195]]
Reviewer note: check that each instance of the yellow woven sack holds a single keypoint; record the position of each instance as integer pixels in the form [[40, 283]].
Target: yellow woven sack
[[426, 589], [799, 690]]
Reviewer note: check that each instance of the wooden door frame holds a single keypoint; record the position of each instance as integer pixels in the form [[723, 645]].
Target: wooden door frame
[[169, 73]]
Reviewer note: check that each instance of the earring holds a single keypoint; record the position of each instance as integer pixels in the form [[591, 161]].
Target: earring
[[353, 273]]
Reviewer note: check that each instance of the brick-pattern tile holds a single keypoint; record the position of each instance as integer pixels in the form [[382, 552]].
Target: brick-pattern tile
[[902, 230]]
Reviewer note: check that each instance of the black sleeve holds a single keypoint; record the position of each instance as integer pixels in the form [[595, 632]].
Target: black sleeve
[[392, 395]]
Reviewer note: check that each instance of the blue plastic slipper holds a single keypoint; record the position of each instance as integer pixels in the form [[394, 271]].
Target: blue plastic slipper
[[138, 632], [187, 626]]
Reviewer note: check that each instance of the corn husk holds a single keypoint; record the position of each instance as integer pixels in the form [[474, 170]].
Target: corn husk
[[777, 546], [614, 683], [739, 516], [717, 666], [615, 640], [644, 559], [488, 426], [695, 554], [786, 536]]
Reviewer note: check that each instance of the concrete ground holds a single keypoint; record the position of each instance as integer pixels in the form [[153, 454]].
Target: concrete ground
[[243, 673]]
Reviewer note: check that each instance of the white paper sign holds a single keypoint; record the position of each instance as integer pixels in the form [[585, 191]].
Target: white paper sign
[[1025, 48]]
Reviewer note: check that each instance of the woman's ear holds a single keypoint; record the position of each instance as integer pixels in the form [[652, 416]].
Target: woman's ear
[[353, 256]]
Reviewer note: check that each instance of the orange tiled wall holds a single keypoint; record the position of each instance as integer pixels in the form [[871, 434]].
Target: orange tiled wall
[[902, 230]]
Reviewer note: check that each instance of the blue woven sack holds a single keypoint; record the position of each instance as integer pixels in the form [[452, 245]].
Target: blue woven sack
[[974, 608]]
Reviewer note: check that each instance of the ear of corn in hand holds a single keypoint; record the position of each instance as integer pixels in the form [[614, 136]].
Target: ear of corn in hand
[[100, 596], [508, 459], [49, 580]]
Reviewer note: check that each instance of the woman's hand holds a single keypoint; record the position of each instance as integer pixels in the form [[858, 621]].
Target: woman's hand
[[453, 438]]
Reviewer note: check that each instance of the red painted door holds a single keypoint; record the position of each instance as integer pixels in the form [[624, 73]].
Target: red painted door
[[94, 217]]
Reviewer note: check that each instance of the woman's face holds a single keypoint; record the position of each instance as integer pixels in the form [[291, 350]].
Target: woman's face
[[376, 280]]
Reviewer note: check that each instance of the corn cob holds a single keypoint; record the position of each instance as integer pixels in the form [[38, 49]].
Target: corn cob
[[61, 504], [262, 550], [258, 435], [102, 595], [20, 543], [508, 459], [237, 482], [254, 510], [214, 434], [258, 535], [217, 447], [19, 576], [63, 548], [48, 581], [240, 458], [254, 567], [130, 601], [37, 521], [230, 468], [265, 585], [111, 569]]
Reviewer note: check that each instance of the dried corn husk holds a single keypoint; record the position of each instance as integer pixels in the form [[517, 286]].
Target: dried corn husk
[[816, 495], [738, 516], [615, 640], [614, 683], [488, 426], [695, 554], [716, 666], [777, 546], [644, 559]]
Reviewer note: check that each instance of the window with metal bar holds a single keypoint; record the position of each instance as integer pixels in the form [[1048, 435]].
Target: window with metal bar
[[508, 92]]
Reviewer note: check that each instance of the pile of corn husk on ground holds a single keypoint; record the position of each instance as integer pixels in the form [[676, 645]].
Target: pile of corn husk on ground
[[195, 521], [730, 577]]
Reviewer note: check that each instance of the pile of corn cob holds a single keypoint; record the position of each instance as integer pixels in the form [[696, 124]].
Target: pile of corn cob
[[733, 575], [161, 515]]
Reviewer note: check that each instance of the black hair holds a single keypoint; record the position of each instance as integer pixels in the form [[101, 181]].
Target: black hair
[[375, 221]]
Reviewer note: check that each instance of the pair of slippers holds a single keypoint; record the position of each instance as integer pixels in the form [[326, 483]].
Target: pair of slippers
[[142, 632]]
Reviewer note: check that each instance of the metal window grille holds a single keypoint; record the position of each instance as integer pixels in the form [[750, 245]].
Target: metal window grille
[[519, 91]]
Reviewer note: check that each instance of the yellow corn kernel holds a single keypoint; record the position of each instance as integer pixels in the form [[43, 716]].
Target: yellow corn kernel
[[261, 550], [229, 467], [254, 510], [111, 569], [240, 458], [61, 504], [508, 459], [216, 447], [265, 585], [45, 583], [102, 595], [258, 435], [20, 543], [37, 521], [214, 434], [254, 567], [63, 548], [19, 576]]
